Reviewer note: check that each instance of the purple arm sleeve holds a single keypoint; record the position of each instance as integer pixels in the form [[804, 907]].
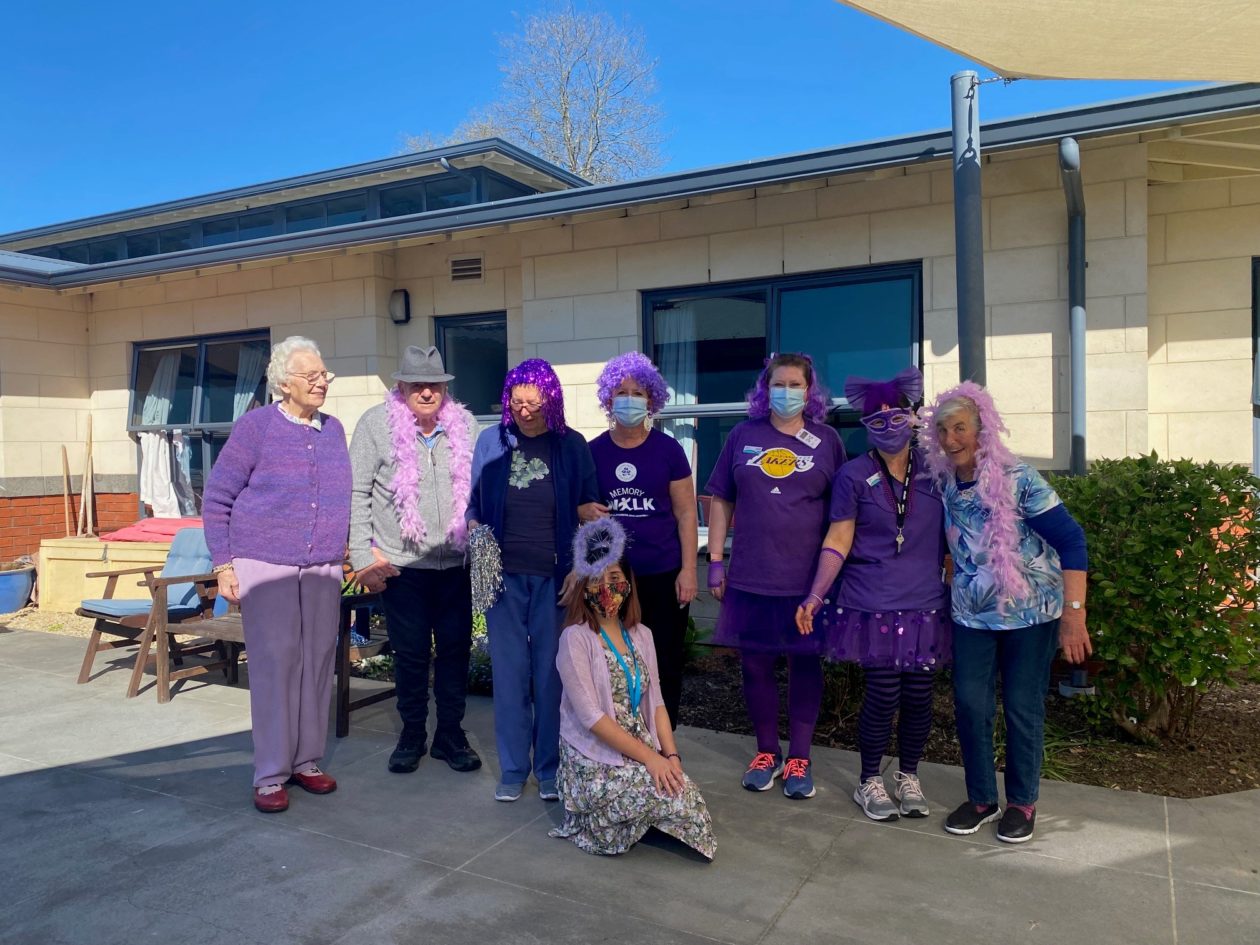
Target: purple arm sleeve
[[829, 563]]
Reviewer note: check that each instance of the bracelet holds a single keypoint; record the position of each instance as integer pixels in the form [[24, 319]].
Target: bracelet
[[672, 754], [219, 569], [817, 598]]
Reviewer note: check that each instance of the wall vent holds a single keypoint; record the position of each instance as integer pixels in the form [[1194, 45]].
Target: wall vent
[[466, 268]]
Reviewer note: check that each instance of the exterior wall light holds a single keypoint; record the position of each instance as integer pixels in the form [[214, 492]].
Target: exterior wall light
[[400, 307]]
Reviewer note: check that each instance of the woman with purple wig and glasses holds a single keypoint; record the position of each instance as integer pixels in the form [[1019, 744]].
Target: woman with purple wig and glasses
[[774, 476], [532, 481], [1018, 595], [889, 613], [645, 478]]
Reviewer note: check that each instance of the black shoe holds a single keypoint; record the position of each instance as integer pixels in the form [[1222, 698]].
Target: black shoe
[[406, 757], [453, 748], [1016, 826], [968, 818]]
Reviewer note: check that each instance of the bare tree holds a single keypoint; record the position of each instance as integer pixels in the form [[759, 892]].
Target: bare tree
[[577, 91]]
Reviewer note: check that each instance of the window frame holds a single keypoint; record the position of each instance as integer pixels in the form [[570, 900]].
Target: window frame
[[441, 323]]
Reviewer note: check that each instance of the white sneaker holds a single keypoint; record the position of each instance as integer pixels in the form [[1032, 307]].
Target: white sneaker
[[909, 794], [872, 797]]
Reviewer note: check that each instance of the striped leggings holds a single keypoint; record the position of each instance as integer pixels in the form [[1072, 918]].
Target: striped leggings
[[886, 691]]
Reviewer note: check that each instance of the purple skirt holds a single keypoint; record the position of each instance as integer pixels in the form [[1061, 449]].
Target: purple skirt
[[763, 623], [908, 640]]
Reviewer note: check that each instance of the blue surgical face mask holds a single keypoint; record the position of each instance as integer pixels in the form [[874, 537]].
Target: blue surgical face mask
[[630, 411], [787, 402]]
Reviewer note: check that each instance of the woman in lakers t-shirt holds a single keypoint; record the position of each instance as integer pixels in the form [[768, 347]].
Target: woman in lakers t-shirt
[[774, 476]]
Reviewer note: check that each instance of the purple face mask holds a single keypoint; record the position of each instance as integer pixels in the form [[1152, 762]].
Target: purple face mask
[[889, 430]]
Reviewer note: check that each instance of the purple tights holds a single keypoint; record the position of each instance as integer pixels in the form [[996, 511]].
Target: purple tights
[[761, 693]]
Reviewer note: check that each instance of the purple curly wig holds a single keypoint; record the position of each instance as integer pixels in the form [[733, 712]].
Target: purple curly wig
[[817, 400], [995, 485], [537, 373], [636, 365]]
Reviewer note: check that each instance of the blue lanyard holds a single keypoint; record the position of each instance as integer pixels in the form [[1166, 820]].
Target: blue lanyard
[[633, 681]]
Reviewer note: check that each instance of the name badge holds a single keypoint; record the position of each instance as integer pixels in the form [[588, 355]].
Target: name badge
[[873, 480], [807, 438]]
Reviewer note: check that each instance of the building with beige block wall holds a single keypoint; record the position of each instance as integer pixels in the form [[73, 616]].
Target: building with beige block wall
[[572, 273]]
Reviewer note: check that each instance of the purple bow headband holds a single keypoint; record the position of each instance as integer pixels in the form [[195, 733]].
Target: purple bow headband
[[866, 396]]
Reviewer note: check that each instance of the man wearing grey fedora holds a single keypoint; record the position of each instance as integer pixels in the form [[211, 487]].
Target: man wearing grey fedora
[[412, 462]]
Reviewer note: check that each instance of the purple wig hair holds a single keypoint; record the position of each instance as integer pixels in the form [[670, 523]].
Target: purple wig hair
[[866, 396], [537, 373], [636, 365], [995, 481], [817, 401]]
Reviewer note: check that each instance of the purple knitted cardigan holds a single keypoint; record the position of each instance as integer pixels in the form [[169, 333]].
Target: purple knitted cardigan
[[279, 492]]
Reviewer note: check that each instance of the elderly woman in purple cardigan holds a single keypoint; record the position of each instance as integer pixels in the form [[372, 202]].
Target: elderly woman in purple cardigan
[[277, 513]]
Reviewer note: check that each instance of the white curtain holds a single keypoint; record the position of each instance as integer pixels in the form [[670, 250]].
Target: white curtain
[[158, 486], [250, 364], [676, 337]]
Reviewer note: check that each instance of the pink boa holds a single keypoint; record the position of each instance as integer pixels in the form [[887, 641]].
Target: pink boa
[[459, 427], [995, 485]]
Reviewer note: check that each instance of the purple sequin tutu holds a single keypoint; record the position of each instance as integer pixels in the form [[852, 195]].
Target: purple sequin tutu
[[763, 623], [908, 640]]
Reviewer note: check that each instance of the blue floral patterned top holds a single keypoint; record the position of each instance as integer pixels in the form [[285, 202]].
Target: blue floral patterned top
[[975, 598]]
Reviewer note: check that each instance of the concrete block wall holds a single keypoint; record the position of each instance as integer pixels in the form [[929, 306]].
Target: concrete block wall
[[1203, 237]]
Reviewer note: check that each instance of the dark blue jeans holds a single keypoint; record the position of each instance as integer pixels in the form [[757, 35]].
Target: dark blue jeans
[[429, 612], [1023, 658]]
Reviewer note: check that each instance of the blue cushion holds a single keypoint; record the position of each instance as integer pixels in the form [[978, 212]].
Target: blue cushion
[[110, 607], [188, 555]]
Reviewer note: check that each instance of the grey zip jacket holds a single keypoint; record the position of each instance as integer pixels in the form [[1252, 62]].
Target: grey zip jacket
[[372, 514]]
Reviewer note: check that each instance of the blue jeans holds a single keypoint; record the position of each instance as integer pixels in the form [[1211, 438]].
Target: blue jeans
[[524, 629], [1023, 657]]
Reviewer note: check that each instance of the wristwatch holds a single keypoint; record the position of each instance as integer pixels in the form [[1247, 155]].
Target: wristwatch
[[1074, 604]]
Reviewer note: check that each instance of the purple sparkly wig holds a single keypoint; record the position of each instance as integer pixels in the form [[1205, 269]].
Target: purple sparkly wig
[[636, 365], [995, 482], [537, 373], [817, 401], [866, 396]]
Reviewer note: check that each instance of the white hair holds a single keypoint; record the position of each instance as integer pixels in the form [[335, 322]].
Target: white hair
[[953, 406], [281, 354]]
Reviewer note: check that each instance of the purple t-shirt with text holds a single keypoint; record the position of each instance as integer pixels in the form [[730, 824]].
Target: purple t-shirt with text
[[780, 486], [875, 577], [635, 484]]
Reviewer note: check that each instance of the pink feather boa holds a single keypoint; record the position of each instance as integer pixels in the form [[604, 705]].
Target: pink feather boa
[[995, 483], [459, 427]]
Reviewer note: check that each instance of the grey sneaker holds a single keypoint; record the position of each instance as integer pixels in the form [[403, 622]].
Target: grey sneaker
[[547, 790], [762, 771], [909, 794], [872, 797], [508, 792]]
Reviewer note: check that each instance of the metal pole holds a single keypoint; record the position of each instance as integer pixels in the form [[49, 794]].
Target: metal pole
[[968, 228], [1074, 193]]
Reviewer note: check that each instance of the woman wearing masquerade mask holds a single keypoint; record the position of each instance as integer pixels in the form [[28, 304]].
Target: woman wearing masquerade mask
[[774, 474], [1018, 594], [645, 477], [889, 612], [620, 772]]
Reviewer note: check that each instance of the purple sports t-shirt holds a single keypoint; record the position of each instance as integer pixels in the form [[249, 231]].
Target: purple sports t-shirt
[[780, 486], [635, 484], [875, 577]]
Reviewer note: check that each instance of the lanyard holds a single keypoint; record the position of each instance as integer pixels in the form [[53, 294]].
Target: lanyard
[[902, 505], [634, 682]]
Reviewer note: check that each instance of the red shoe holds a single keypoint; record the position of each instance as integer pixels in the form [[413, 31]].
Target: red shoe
[[316, 782], [273, 802]]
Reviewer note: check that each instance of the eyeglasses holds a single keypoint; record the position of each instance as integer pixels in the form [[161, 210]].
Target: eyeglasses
[[314, 377], [531, 405]]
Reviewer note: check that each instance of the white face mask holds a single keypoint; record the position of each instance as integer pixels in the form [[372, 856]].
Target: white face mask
[[630, 411]]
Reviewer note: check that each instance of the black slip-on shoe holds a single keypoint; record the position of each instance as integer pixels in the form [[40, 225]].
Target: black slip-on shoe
[[1016, 826], [968, 817]]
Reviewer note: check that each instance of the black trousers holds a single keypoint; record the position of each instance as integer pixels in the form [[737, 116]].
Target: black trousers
[[668, 623], [426, 611]]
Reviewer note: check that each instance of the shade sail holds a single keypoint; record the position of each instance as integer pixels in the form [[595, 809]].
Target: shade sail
[[1176, 40]]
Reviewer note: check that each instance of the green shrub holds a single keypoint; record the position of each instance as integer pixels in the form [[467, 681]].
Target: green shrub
[[1171, 600], [479, 659], [695, 642]]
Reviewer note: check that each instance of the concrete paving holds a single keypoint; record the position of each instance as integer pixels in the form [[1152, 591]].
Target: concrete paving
[[125, 821]]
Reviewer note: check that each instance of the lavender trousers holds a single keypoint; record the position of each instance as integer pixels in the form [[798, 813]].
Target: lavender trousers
[[290, 616]]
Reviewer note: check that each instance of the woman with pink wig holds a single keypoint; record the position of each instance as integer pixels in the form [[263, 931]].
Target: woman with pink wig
[[774, 476], [1018, 595], [645, 477]]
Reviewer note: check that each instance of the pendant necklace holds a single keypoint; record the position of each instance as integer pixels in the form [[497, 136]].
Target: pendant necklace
[[900, 506]]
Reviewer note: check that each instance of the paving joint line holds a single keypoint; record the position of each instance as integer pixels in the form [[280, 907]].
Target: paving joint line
[[809, 874], [1172, 886]]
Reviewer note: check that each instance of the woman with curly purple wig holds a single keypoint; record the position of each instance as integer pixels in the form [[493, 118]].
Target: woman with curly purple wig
[[645, 478], [1018, 595], [532, 481], [774, 475]]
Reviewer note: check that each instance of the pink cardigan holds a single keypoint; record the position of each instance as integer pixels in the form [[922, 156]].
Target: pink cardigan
[[588, 689]]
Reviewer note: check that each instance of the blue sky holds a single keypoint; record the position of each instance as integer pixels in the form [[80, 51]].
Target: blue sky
[[112, 106]]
